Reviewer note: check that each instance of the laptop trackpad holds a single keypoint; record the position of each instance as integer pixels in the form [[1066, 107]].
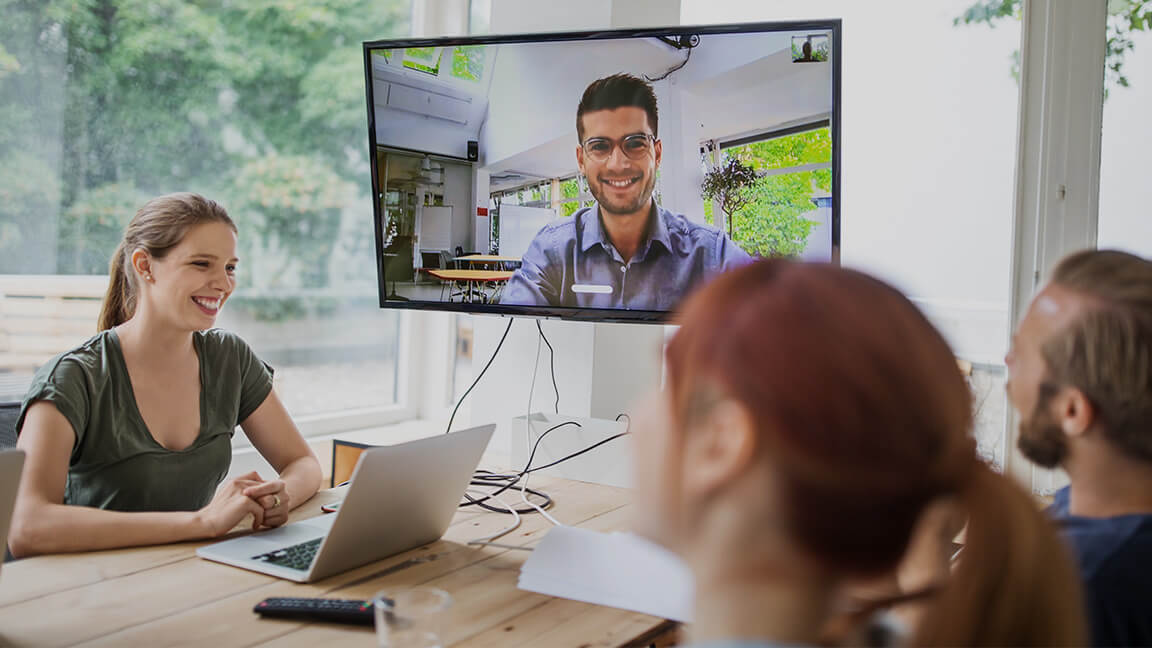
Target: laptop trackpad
[[278, 538]]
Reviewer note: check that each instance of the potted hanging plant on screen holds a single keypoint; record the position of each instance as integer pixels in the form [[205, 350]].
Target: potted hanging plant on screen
[[732, 184]]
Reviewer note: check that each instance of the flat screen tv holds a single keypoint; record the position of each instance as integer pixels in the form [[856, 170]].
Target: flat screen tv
[[599, 175]]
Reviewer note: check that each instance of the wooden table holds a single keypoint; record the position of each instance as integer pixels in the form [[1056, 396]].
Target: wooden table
[[469, 277], [488, 258], [165, 595]]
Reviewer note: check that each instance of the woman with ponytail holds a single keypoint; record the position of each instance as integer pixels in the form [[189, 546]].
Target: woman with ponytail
[[128, 435], [813, 425]]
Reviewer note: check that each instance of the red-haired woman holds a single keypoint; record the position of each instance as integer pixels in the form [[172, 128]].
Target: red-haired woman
[[812, 418]]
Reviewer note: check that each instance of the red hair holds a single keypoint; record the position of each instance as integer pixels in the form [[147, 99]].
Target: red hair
[[860, 405]]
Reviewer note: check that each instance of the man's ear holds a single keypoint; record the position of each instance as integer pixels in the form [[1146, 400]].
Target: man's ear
[[659, 150], [580, 159], [719, 449], [1075, 411]]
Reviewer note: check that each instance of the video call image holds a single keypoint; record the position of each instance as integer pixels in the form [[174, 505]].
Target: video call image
[[600, 174]]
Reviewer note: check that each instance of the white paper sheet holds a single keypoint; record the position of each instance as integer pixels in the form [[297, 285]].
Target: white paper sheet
[[615, 569]]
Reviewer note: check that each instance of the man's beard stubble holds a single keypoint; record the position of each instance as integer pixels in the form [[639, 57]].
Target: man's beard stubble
[[641, 200], [1041, 439]]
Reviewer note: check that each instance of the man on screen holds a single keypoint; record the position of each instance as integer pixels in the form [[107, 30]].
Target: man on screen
[[624, 252]]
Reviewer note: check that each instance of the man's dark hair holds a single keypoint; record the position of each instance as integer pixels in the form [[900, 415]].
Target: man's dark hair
[[1106, 352], [617, 91]]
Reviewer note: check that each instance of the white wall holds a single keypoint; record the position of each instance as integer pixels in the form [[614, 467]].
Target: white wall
[[928, 143], [1126, 156]]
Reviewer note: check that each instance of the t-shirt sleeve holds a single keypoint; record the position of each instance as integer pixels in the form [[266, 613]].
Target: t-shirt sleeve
[[255, 377], [63, 383]]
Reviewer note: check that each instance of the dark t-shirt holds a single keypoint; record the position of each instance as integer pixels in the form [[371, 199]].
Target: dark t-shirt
[[1115, 557], [116, 463]]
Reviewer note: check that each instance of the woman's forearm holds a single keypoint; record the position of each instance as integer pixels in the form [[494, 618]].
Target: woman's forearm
[[301, 479], [59, 528]]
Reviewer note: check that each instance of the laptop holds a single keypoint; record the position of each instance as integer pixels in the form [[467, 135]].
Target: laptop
[[11, 464], [399, 497]]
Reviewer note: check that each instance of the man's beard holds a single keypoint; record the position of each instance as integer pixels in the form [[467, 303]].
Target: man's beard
[[648, 185], [1041, 438]]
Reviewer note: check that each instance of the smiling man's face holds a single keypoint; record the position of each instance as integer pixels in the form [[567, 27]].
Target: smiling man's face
[[620, 184]]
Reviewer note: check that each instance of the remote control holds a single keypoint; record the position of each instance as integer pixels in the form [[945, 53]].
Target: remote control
[[317, 609]]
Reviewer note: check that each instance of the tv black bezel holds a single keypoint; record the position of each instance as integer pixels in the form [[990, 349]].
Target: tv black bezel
[[832, 25]]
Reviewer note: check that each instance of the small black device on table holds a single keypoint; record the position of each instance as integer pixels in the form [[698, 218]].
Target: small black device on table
[[317, 609]]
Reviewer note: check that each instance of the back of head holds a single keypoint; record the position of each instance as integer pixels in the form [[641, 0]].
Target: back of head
[[157, 227], [618, 91], [1106, 352], [860, 406]]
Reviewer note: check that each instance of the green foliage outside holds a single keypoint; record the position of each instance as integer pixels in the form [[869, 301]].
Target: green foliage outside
[[819, 49], [569, 189], [1124, 17], [768, 218], [424, 59], [468, 62], [258, 104], [92, 226]]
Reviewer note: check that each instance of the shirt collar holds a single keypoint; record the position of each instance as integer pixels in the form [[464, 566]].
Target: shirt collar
[[594, 233]]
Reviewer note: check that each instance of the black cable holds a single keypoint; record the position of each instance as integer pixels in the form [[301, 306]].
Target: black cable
[[547, 501], [552, 363], [485, 477], [577, 454], [481, 375], [672, 69], [513, 479]]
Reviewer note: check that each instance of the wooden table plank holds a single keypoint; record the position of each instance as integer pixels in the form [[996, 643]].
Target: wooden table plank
[[235, 611], [166, 596]]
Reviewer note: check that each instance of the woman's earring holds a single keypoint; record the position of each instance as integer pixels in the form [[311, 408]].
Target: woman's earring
[[148, 276]]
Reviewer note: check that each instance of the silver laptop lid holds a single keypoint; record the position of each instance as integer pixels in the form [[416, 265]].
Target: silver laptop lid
[[400, 497]]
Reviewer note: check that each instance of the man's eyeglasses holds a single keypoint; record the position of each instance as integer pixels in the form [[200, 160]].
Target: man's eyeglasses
[[635, 147]]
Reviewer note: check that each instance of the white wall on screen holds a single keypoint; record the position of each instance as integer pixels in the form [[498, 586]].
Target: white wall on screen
[[399, 93], [435, 227], [733, 85], [458, 194], [519, 225]]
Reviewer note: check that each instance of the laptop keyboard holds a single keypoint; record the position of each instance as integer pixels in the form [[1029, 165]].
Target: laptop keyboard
[[297, 556]]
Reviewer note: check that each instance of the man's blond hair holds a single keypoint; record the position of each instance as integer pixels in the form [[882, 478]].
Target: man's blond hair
[[1106, 352]]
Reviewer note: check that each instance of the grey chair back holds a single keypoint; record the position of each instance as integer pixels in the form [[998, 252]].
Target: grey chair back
[[9, 412]]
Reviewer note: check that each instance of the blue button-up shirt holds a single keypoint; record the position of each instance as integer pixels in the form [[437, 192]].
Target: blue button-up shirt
[[572, 263]]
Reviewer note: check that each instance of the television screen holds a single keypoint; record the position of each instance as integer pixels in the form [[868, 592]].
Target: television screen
[[599, 176]]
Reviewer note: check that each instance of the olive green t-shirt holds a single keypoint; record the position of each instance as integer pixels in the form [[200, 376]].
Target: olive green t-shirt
[[116, 463]]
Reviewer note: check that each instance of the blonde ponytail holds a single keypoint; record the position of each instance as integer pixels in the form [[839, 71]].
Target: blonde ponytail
[[120, 300]]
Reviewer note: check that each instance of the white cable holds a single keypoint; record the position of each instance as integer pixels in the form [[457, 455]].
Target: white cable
[[487, 540], [528, 438]]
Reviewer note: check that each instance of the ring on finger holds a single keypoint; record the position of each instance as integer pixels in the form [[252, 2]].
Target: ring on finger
[[275, 501]]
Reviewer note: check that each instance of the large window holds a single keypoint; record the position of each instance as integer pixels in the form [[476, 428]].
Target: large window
[[259, 105]]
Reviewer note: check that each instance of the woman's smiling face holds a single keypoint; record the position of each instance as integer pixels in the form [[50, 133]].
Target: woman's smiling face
[[192, 282]]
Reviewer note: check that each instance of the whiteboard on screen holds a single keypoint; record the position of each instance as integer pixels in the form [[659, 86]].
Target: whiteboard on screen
[[519, 225], [436, 228]]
